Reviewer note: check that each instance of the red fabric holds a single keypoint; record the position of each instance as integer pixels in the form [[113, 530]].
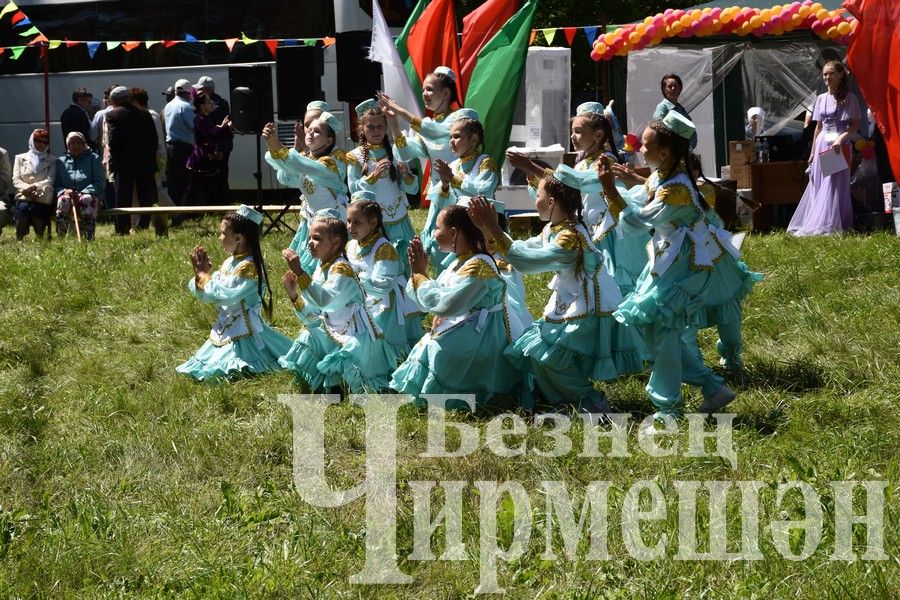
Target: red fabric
[[432, 40], [570, 34], [873, 45], [479, 26]]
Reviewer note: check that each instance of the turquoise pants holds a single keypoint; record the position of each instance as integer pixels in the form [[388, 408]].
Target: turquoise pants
[[676, 359]]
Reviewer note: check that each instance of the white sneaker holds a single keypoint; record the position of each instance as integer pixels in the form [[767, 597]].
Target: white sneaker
[[720, 398]]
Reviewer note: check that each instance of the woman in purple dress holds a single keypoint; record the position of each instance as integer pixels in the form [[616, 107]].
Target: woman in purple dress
[[208, 183], [825, 207]]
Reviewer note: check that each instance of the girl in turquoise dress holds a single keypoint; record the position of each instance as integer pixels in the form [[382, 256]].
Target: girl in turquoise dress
[[671, 292], [315, 171], [592, 137], [239, 342], [377, 265], [430, 141], [373, 168], [570, 347], [339, 339], [471, 174], [731, 282], [463, 352]]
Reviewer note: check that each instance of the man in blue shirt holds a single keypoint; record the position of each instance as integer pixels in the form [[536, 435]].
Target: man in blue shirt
[[179, 116]]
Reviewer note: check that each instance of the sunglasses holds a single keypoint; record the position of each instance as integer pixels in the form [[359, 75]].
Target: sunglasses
[[41, 140]]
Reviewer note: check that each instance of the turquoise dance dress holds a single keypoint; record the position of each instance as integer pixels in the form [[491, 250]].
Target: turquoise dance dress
[[390, 195], [339, 339], [671, 293], [570, 347], [239, 342], [321, 185], [377, 265], [463, 353], [430, 142]]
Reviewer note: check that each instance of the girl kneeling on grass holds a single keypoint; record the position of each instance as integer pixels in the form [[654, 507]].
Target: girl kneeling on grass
[[570, 347], [240, 341], [380, 272], [463, 353], [339, 340]]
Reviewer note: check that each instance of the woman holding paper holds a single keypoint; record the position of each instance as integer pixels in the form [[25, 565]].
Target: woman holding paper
[[825, 207]]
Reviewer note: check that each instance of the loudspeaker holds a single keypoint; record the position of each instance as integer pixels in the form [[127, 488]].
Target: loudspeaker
[[358, 78], [251, 98], [298, 75]]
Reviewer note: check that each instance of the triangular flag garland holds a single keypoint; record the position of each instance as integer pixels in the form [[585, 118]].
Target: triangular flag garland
[[549, 34], [606, 41], [10, 7]]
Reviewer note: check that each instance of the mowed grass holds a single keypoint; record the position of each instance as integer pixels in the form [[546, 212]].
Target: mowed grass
[[120, 478]]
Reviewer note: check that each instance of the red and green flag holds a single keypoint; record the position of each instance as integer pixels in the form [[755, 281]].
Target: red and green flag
[[428, 41], [479, 26], [493, 88]]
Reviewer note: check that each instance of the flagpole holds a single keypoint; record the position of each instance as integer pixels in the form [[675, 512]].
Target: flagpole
[[45, 58]]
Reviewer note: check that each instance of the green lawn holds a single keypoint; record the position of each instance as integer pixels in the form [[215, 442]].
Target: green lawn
[[119, 478]]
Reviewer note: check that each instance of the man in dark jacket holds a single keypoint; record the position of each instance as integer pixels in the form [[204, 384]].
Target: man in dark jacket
[[132, 141], [75, 118]]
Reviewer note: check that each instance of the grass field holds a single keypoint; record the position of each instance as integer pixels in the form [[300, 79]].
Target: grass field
[[119, 478]]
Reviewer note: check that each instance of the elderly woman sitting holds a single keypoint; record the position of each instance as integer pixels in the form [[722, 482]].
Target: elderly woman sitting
[[80, 183], [33, 175]]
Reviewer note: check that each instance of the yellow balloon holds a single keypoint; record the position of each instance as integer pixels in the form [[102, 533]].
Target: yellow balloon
[[755, 22], [844, 28], [804, 11], [641, 29], [765, 14], [831, 33], [726, 16], [796, 20], [634, 37], [822, 14], [816, 7]]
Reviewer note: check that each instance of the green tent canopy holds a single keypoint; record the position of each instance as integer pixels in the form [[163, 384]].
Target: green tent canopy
[[829, 4]]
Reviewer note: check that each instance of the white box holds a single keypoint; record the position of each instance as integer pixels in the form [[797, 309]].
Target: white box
[[891, 193]]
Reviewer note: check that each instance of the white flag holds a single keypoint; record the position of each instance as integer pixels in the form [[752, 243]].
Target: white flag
[[383, 50]]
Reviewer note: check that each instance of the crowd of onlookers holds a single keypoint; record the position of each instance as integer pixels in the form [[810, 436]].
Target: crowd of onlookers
[[120, 155]]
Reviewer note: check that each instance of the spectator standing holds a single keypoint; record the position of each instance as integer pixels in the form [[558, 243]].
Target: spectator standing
[[6, 186], [671, 87], [34, 174], [132, 140], [75, 118], [179, 119], [140, 98], [207, 85], [207, 183], [97, 138]]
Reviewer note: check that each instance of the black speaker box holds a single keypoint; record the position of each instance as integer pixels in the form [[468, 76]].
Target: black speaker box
[[251, 98], [358, 77], [298, 75]]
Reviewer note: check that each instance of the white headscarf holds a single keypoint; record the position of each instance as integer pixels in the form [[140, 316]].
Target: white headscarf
[[35, 156]]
